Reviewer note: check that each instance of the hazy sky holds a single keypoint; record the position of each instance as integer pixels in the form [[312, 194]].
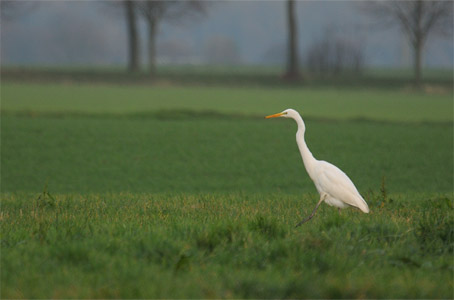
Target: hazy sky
[[89, 32]]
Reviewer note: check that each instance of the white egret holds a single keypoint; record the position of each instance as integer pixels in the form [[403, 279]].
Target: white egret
[[333, 185]]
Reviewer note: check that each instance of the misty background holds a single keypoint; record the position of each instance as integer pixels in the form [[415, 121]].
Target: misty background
[[249, 32]]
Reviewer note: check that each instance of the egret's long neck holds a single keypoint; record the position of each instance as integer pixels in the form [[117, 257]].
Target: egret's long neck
[[308, 158]]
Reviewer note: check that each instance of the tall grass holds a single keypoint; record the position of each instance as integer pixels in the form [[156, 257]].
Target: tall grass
[[230, 245]]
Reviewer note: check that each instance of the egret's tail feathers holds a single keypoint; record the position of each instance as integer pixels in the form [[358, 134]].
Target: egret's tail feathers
[[363, 206]]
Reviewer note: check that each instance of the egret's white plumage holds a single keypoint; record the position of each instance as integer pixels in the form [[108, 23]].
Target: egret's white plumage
[[333, 185]]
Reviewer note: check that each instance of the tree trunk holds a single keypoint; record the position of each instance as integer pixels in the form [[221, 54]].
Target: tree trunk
[[152, 30], [133, 59], [292, 58], [417, 62], [418, 42]]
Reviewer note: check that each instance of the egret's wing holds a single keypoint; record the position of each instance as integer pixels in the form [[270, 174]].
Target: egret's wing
[[338, 185]]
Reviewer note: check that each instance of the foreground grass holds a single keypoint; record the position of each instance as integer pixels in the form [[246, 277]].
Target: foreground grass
[[232, 245]]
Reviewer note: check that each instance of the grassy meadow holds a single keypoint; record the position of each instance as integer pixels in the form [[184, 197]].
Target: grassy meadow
[[163, 191]]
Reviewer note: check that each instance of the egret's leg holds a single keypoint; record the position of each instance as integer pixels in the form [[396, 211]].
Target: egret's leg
[[313, 212], [339, 210]]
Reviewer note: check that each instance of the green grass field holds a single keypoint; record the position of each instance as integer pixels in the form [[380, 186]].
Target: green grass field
[[187, 192]]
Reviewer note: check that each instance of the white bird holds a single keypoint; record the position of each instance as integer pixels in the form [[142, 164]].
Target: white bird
[[333, 185]]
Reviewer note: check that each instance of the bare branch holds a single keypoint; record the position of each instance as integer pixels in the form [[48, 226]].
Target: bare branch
[[439, 17], [154, 12], [417, 18]]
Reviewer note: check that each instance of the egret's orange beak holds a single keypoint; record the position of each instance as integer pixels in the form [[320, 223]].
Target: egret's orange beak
[[275, 115]]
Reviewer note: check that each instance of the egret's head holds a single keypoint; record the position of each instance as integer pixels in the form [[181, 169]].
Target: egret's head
[[288, 113]]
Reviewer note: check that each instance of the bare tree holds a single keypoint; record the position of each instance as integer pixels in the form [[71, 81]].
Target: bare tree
[[126, 10], [154, 12], [335, 53], [133, 41], [417, 19], [292, 56]]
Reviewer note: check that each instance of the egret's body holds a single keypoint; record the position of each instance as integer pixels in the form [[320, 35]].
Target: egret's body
[[333, 185]]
